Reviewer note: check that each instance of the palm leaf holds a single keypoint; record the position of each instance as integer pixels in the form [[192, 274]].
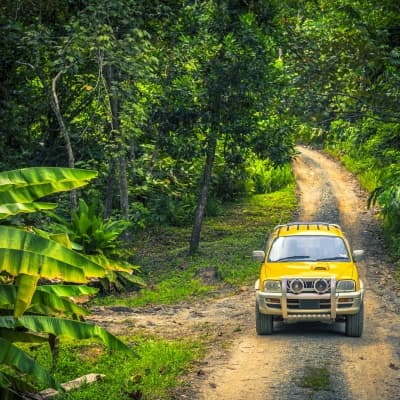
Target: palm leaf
[[26, 244], [17, 262], [48, 301], [26, 288], [37, 175], [111, 265], [8, 294], [68, 290], [64, 327], [15, 208], [20, 188], [14, 357], [51, 304]]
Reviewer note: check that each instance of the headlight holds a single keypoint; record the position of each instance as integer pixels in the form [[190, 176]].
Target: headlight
[[345, 286], [272, 286]]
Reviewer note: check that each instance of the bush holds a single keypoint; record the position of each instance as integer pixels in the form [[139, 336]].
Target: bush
[[264, 177]]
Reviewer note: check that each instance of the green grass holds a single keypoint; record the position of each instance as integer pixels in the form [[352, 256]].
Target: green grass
[[316, 378], [226, 246], [152, 376]]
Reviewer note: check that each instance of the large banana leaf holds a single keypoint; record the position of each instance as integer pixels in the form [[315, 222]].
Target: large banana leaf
[[37, 175], [8, 295], [64, 327], [17, 262], [68, 290], [113, 265], [51, 304], [28, 194], [14, 357], [26, 288], [20, 188], [15, 208], [43, 301], [26, 244]]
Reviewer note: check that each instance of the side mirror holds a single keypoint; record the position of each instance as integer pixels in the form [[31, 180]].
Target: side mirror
[[358, 255], [258, 255]]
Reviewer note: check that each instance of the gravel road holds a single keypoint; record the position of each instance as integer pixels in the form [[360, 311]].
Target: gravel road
[[283, 366]]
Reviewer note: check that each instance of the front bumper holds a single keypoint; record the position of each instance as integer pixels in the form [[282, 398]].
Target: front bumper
[[310, 306]]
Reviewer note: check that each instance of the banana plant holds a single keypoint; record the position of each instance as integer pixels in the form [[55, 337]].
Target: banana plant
[[30, 310], [99, 241]]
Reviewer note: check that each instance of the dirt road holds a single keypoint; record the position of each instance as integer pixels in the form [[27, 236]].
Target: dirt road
[[302, 361], [319, 356]]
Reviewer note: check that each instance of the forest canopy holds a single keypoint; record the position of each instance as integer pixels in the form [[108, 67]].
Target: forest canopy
[[182, 105]]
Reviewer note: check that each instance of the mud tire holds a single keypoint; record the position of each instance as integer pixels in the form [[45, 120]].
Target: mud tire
[[355, 323], [264, 323]]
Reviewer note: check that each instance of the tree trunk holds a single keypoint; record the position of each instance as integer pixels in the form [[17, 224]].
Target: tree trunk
[[55, 105], [202, 202], [110, 190], [115, 127]]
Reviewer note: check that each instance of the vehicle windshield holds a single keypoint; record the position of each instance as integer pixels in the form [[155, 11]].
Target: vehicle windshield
[[308, 248]]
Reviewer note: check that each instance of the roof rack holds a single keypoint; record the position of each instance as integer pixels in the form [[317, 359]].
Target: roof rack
[[298, 224]]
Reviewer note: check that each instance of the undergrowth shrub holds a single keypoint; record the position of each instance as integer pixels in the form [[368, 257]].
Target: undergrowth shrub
[[264, 177]]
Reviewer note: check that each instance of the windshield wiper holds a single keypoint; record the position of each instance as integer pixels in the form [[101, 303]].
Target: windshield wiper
[[332, 258], [293, 258]]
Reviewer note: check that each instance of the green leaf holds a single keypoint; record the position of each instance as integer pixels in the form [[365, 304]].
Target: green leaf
[[17, 262], [26, 288], [15, 208], [23, 177], [18, 336], [13, 356], [20, 188], [64, 327], [24, 252], [51, 304], [68, 290], [4, 382], [8, 294]]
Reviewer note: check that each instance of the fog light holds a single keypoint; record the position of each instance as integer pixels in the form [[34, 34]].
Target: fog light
[[297, 286], [321, 286]]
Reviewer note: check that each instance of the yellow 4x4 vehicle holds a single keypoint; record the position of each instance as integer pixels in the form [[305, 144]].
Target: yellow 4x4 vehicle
[[308, 273]]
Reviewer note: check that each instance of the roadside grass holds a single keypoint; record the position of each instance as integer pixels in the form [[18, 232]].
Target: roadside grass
[[151, 376], [225, 252]]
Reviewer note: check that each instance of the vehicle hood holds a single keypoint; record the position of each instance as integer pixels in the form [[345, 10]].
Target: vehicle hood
[[340, 270]]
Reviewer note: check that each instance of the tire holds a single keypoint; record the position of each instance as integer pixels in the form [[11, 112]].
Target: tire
[[355, 323], [264, 323]]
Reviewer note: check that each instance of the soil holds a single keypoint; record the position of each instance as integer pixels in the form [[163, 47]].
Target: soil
[[299, 361]]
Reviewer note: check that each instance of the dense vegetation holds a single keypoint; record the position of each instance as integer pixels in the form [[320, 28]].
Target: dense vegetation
[[347, 62], [185, 109]]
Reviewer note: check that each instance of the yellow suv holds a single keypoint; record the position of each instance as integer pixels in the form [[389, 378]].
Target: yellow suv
[[308, 273]]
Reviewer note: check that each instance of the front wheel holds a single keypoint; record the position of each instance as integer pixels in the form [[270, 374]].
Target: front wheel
[[355, 323], [264, 323]]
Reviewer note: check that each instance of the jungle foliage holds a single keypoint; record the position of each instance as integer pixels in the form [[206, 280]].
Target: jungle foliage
[[166, 100], [180, 107], [343, 57], [36, 305]]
